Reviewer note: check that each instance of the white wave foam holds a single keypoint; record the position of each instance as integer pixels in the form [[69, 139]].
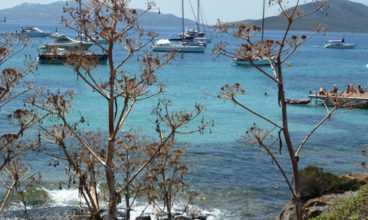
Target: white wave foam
[[71, 197], [140, 207], [64, 197]]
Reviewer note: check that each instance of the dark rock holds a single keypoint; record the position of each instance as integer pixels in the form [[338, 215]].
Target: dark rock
[[288, 212], [199, 217], [119, 215], [181, 218], [143, 218], [361, 177], [316, 206], [55, 213]]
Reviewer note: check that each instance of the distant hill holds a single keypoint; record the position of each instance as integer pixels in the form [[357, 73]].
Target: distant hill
[[341, 16], [51, 13]]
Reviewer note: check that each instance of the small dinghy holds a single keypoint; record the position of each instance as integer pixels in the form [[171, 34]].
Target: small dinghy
[[297, 101]]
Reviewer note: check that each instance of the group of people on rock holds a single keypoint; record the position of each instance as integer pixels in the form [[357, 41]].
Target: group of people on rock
[[350, 90]]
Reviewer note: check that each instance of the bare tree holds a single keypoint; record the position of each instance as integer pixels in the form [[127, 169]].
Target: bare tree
[[277, 52], [164, 179], [12, 145], [132, 155], [113, 157]]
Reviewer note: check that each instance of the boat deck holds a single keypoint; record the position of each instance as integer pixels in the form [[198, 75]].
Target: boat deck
[[349, 100], [363, 97]]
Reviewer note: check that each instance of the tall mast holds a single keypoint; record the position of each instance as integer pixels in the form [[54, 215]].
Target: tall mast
[[263, 15], [198, 14], [80, 18], [182, 15]]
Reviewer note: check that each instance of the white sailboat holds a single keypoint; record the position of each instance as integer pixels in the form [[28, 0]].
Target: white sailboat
[[165, 45], [259, 61], [339, 44], [195, 36]]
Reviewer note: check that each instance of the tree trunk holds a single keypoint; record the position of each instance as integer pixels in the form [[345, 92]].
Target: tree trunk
[[294, 161], [94, 186], [168, 207], [109, 169], [127, 194], [110, 179], [127, 205]]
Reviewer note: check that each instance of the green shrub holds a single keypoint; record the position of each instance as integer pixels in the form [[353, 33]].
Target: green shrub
[[352, 209], [33, 197], [315, 183]]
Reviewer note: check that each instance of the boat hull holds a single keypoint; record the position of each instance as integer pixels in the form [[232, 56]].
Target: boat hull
[[50, 58], [340, 46], [68, 46], [186, 49], [258, 62], [353, 101], [297, 101], [36, 34]]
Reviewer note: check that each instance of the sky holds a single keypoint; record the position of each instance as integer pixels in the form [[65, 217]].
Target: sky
[[225, 10]]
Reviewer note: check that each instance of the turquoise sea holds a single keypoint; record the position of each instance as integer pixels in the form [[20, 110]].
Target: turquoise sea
[[235, 181]]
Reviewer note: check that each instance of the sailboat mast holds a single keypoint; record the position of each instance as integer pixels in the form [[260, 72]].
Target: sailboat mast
[[182, 15], [263, 15], [198, 14], [80, 18]]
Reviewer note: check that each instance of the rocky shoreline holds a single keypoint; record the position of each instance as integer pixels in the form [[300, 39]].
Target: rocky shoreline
[[317, 206], [71, 213], [312, 207], [49, 213]]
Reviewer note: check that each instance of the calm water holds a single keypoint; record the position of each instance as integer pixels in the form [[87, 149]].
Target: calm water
[[236, 182]]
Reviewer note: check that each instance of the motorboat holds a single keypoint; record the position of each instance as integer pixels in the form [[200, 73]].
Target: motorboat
[[99, 41], [259, 61], [60, 56], [165, 45], [34, 32], [298, 101], [339, 44], [92, 39], [63, 41]]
